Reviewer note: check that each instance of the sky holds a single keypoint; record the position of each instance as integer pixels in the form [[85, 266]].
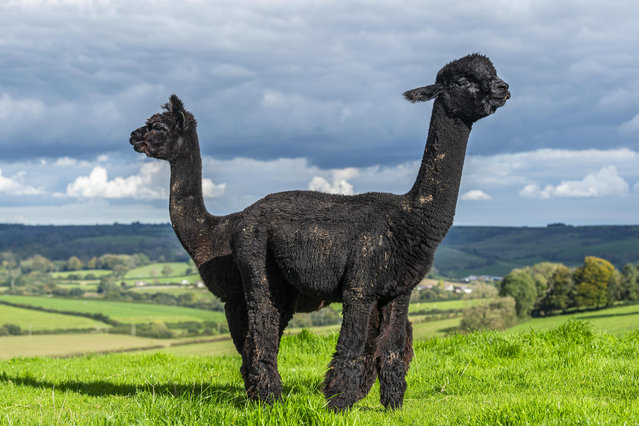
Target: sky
[[307, 95]]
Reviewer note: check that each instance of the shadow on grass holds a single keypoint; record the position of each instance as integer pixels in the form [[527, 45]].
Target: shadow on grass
[[222, 393], [231, 394]]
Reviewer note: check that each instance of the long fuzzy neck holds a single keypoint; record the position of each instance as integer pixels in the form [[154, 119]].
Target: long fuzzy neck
[[435, 191], [189, 217]]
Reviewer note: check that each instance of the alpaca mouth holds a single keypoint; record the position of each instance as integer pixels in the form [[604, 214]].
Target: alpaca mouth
[[141, 147]]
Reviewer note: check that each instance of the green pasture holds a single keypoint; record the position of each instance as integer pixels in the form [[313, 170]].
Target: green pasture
[[41, 321], [68, 344], [567, 375], [155, 270], [611, 320], [134, 313], [445, 305], [82, 273]]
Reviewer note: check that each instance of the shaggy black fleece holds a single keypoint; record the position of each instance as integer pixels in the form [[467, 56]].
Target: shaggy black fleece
[[300, 250]]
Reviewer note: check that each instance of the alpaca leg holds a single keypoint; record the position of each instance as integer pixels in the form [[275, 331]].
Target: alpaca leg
[[377, 324], [370, 367], [345, 370], [396, 352], [259, 354], [259, 357], [237, 319]]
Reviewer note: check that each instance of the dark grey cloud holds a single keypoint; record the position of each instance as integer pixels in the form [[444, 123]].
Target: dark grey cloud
[[320, 80]]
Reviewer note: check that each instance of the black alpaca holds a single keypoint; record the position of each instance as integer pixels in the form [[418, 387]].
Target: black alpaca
[[172, 136], [299, 248]]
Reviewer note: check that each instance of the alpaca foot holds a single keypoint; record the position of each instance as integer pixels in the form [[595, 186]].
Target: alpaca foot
[[392, 380], [265, 392], [341, 384]]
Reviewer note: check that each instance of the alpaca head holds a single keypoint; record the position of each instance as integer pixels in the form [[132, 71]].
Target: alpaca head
[[164, 134], [468, 88]]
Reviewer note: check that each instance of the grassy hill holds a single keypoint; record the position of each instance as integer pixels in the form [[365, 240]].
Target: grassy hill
[[125, 312], [566, 375], [466, 250], [496, 250]]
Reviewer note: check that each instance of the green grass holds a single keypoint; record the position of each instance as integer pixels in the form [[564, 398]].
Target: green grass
[[155, 270], [68, 344], [612, 320], [444, 305], [567, 375], [120, 311], [43, 321], [82, 273]]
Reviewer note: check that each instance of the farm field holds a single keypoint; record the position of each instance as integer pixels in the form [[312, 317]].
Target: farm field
[[67, 344], [445, 305], [133, 313], [567, 375], [611, 320], [155, 270], [41, 321], [82, 273]]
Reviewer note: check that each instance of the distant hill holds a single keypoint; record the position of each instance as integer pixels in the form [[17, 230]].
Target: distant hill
[[158, 242], [496, 250], [466, 250]]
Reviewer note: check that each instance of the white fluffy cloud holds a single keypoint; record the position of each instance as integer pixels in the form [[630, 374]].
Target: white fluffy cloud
[[144, 185], [13, 186], [339, 183], [98, 185], [604, 183], [476, 195]]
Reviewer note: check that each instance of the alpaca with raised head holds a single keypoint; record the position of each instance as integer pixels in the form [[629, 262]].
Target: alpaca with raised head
[[301, 249]]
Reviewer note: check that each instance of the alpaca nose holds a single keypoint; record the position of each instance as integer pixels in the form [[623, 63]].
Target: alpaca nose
[[499, 85]]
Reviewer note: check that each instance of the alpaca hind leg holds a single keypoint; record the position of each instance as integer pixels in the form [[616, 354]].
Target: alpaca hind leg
[[396, 352], [370, 368], [345, 370]]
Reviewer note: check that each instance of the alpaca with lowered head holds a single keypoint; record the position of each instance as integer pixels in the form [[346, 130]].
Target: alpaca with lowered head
[[367, 251]]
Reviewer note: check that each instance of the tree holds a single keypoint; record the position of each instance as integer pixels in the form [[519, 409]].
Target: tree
[[591, 282], [92, 263], [541, 273], [37, 263], [167, 270], [521, 286], [74, 264], [630, 282], [498, 314], [561, 291]]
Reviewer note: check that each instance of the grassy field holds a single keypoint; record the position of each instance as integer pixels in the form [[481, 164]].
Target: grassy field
[[82, 273], [130, 313], [66, 344], [40, 321], [444, 305], [567, 375], [612, 320], [155, 270]]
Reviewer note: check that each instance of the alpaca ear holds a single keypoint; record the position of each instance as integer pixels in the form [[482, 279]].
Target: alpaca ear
[[177, 108], [422, 94]]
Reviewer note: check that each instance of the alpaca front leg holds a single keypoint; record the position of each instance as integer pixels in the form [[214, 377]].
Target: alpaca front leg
[[396, 351], [345, 370], [259, 357]]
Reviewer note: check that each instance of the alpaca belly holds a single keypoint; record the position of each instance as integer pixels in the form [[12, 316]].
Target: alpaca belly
[[313, 273]]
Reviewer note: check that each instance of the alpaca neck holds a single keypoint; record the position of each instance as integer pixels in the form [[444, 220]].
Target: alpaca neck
[[189, 217], [437, 186]]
